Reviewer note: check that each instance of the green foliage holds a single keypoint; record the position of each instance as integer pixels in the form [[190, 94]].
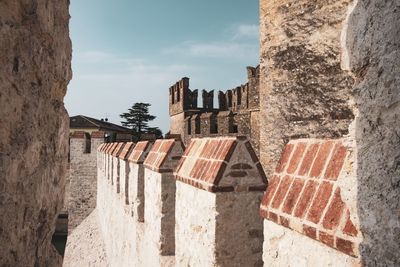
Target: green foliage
[[137, 119]]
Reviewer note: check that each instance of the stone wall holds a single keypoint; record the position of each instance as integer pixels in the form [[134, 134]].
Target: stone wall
[[35, 54], [81, 185], [303, 90], [235, 115], [165, 235], [329, 69], [371, 52]]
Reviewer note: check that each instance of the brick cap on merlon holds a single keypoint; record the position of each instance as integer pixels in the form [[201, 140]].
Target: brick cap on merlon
[[83, 134], [164, 155], [139, 152], [126, 150], [304, 194], [221, 164]]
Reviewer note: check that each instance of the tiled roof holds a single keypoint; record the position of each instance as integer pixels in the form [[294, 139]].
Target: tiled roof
[[221, 164], [304, 193], [83, 122]]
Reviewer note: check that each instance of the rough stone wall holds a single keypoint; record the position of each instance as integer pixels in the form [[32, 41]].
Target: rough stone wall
[[371, 52], [303, 90], [35, 52], [82, 187]]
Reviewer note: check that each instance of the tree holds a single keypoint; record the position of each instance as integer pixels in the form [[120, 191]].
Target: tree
[[137, 119]]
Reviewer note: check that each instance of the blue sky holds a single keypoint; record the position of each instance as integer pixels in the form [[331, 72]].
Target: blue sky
[[128, 51]]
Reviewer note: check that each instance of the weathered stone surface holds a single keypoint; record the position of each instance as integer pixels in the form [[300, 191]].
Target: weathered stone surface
[[303, 90], [35, 55], [82, 183], [371, 51]]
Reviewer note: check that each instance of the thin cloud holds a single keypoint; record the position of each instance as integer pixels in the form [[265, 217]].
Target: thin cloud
[[233, 50], [246, 31]]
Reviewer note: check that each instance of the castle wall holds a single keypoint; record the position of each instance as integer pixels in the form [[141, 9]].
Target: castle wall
[[284, 247], [81, 189], [303, 90], [35, 56], [371, 52], [329, 70]]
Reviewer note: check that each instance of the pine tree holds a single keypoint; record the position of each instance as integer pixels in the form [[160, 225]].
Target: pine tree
[[137, 119]]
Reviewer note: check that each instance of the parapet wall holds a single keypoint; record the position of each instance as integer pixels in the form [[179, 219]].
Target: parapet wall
[[217, 180]]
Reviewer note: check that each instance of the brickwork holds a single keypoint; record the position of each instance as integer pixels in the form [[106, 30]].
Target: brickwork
[[207, 164], [225, 223], [305, 194], [233, 117]]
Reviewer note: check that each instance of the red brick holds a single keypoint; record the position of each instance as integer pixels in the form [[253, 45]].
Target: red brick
[[206, 150], [310, 231], [281, 192], [189, 148], [273, 217], [284, 158], [292, 196], [296, 158], [305, 199], [216, 147], [320, 160], [345, 246], [271, 188], [284, 221], [320, 201], [308, 159], [326, 239], [336, 163], [349, 227], [78, 135], [335, 211]]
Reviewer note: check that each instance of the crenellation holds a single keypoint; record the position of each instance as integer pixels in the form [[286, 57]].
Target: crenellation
[[208, 99], [237, 112]]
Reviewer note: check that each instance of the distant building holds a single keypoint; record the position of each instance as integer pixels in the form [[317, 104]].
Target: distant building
[[237, 114], [112, 132]]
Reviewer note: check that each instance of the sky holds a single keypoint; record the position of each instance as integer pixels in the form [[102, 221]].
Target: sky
[[128, 51]]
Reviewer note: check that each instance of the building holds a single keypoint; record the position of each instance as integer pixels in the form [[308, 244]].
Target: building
[[112, 132], [237, 112]]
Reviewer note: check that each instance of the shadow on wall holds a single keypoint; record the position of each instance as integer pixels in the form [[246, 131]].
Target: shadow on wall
[[374, 58]]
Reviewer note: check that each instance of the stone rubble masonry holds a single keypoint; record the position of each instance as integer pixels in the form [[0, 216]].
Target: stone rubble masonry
[[221, 177], [305, 193], [35, 56], [221, 164], [81, 184], [304, 93]]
